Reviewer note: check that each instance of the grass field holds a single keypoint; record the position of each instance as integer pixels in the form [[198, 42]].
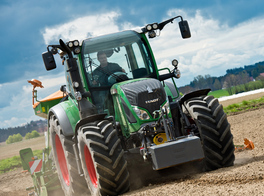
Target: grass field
[[219, 93], [9, 153], [10, 150], [244, 106]]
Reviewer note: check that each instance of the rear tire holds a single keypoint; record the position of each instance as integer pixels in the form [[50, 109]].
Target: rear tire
[[71, 182], [214, 131], [102, 158]]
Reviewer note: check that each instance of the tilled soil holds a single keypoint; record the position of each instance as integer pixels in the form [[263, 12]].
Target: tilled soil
[[14, 183], [246, 177]]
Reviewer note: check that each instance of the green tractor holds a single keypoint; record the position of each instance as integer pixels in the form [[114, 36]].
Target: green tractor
[[117, 104]]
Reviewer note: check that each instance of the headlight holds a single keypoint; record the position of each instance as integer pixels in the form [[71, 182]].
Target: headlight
[[177, 73], [78, 95], [155, 26], [149, 27], [76, 43], [75, 84], [77, 50], [174, 62], [70, 44], [151, 34], [142, 114], [166, 107]]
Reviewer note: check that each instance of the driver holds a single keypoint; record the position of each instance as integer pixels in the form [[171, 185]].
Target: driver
[[105, 69]]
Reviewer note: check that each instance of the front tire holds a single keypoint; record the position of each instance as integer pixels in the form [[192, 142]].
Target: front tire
[[103, 163], [71, 182], [214, 131]]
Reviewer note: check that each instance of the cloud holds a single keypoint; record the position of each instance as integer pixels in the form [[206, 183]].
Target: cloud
[[51, 82], [213, 47], [83, 27], [16, 105]]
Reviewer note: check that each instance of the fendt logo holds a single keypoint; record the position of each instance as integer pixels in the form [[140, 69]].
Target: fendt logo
[[149, 89], [152, 101]]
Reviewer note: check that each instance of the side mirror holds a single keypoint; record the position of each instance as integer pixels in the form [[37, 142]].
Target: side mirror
[[185, 30], [49, 60]]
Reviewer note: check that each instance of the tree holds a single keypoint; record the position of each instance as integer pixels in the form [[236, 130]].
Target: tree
[[217, 84], [10, 139], [18, 137], [33, 134], [254, 73], [209, 81], [244, 78], [28, 136], [199, 82], [230, 81], [186, 89], [14, 138]]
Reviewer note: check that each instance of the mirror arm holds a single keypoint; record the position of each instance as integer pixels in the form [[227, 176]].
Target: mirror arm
[[166, 76], [66, 48], [162, 24], [54, 46]]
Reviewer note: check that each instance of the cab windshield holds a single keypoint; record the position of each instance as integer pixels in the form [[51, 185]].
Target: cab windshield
[[114, 58], [124, 52]]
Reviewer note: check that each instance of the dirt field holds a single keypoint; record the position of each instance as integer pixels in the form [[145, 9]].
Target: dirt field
[[11, 150], [246, 177]]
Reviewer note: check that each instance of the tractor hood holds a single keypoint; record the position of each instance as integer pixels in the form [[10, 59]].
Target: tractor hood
[[147, 94], [138, 97]]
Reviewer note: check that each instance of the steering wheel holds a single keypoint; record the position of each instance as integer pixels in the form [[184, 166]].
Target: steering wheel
[[117, 77]]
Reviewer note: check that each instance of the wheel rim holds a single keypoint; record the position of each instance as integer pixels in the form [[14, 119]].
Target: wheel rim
[[62, 161], [90, 166]]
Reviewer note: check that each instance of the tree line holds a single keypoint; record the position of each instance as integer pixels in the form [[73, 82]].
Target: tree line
[[18, 137], [40, 126], [235, 80]]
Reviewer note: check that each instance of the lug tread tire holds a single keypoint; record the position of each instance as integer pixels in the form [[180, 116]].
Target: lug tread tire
[[214, 131], [77, 184], [107, 156]]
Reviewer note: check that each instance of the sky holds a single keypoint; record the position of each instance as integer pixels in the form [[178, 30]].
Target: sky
[[225, 34]]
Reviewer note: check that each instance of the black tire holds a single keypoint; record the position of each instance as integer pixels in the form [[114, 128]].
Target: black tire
[[62, 148], [102, 158], [214, 131]]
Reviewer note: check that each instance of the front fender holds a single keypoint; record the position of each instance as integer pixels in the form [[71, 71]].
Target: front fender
[[67, 114], [194, 94], [171, 89]]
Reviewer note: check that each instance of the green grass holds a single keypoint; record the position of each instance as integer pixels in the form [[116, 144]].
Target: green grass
[[244, 106], [15, 162], [219, 93], [238, 107]]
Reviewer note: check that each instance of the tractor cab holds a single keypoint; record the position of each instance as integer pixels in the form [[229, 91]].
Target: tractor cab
[[115, 58]]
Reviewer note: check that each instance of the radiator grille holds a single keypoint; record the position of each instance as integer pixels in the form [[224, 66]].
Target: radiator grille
[[148, 94]]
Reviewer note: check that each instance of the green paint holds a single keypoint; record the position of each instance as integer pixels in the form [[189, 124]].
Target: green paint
[[71, 109]]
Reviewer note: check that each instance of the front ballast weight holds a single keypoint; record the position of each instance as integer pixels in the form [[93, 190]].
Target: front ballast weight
[[167, 149]]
